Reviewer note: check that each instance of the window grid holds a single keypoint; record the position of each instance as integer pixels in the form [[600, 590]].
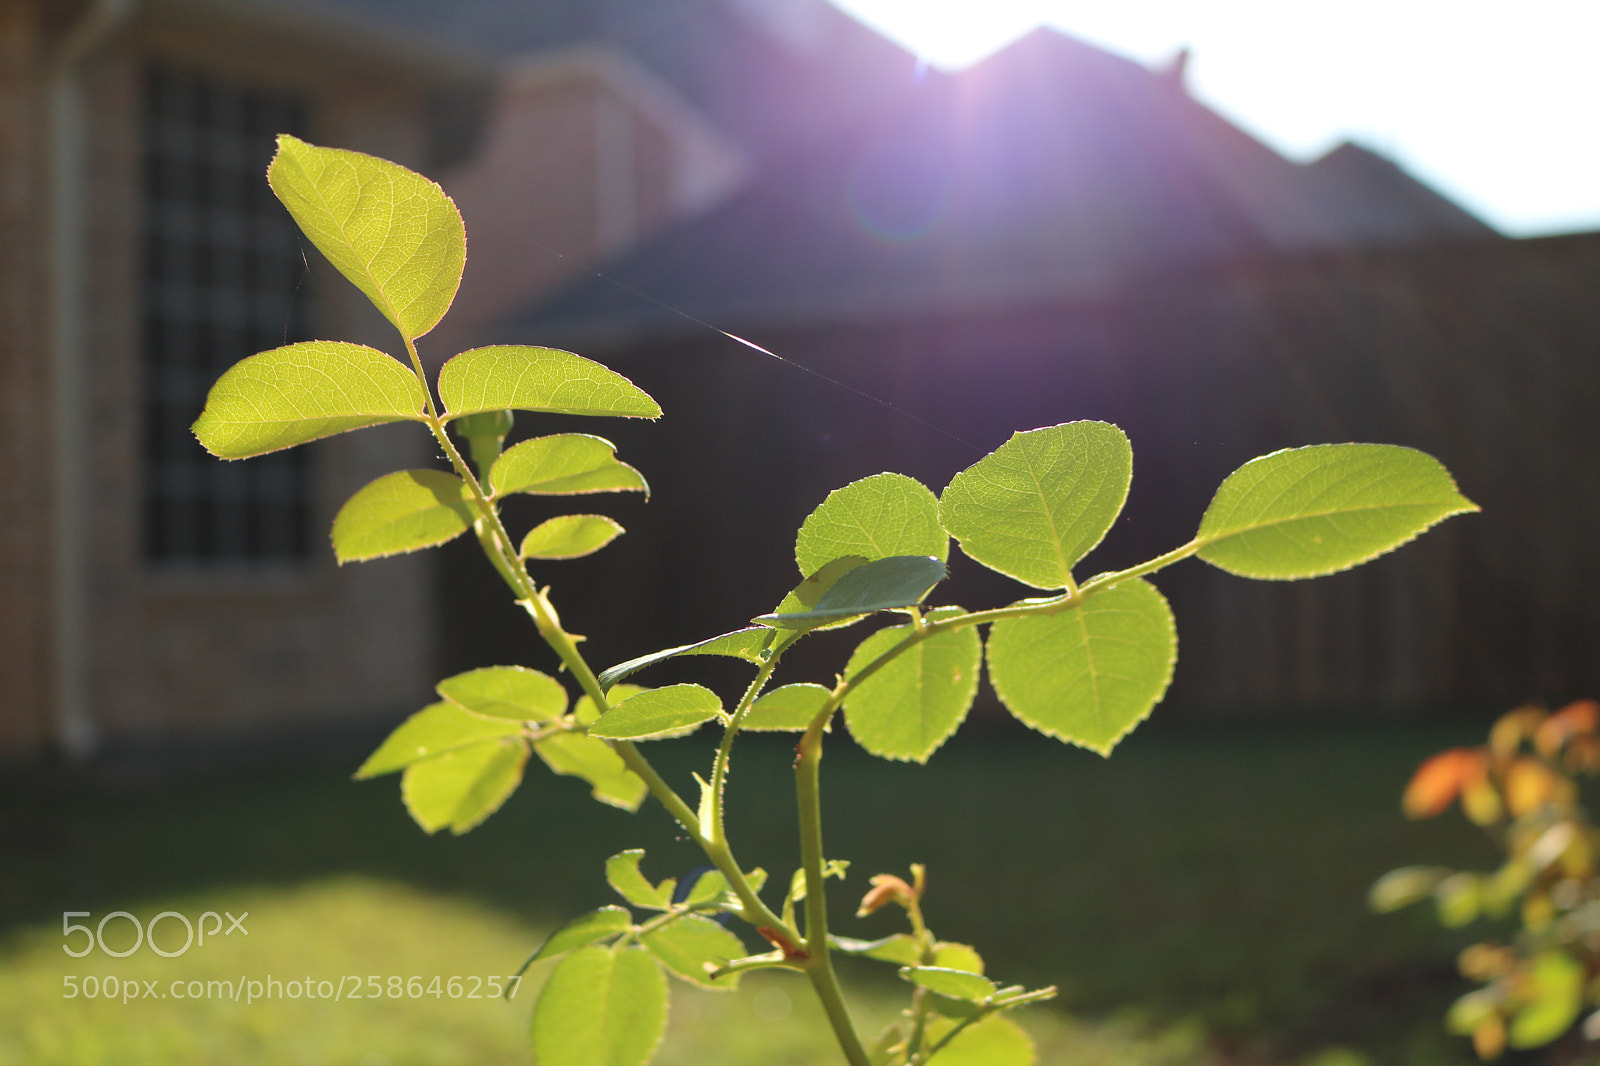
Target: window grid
[[222, 265]]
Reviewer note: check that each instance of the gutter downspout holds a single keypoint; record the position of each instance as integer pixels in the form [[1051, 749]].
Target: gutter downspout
[[75, 729]]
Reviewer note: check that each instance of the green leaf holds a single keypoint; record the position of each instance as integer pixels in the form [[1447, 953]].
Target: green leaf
[[1038, 503], [1090, 674], [461, 788], [601, 1007], [875, 518], [901, 948], [434, 730], [402, 512], [911, 705], [583, 931], [569, 536], [587, 713], [485, 434], [512, 377], [1303, 512], [993, 1041], [565, 464], [789, 707], [957, 984], [1555, 991], [593, 760], [881, 585], [954, 956], [514, 692], [303, 392], [747, 644], [673, 711], [1472, 1009], [391, 231], [688, 944], [626, 879], [1403, 887], [709, 885], [804, 596], [1459, 898]]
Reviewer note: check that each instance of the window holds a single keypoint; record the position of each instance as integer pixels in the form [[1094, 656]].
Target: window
[[222, 270]]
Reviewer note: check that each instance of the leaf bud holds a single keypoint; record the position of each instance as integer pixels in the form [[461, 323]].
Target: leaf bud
[[886, 889]]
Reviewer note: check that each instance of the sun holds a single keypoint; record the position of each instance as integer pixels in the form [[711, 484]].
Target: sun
[[948, 34]]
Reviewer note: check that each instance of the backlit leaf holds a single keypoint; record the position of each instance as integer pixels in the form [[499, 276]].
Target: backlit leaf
[[957, 984], [303, 392], [910, 706], [391, 231], [437, 728], [747, 644], [1555, 991], [804, 596], [583, 931], [461, 788], [593, 760], [704, 887], [954, 956], [875, 518], [512, 377], [569, 536], [1438, 781], [601, 1007], [402, 512], [1090, 674], [564, 464], [993, 1041], [1302, 512], [1038, 503], [900, 948], [514, 692], [661, 712], [629, 882], [685, 946], [884, 584], [587, 713], [789, 707]]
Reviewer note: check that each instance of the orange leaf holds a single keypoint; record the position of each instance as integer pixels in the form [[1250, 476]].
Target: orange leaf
[[1438, 781]]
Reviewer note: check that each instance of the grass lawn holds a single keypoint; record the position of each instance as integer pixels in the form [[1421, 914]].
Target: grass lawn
[[1198, 898]]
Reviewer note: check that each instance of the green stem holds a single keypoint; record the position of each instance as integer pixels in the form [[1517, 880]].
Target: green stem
[[719, 769], [819, 963], [509, 562]]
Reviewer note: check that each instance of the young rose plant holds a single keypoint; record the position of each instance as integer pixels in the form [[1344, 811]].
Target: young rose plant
[[1521, 788], [1081, 660]]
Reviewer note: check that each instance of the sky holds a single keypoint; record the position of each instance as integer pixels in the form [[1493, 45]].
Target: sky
[[1496, 105]]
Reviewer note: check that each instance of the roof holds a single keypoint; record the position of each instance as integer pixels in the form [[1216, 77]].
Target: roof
[[737, 61], [1051, 171]]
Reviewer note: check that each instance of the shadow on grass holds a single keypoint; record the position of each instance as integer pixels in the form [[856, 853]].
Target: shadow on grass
[[1216, 875]]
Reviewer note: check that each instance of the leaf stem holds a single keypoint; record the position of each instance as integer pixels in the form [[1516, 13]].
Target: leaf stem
[[819, 963], [719, 769]]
